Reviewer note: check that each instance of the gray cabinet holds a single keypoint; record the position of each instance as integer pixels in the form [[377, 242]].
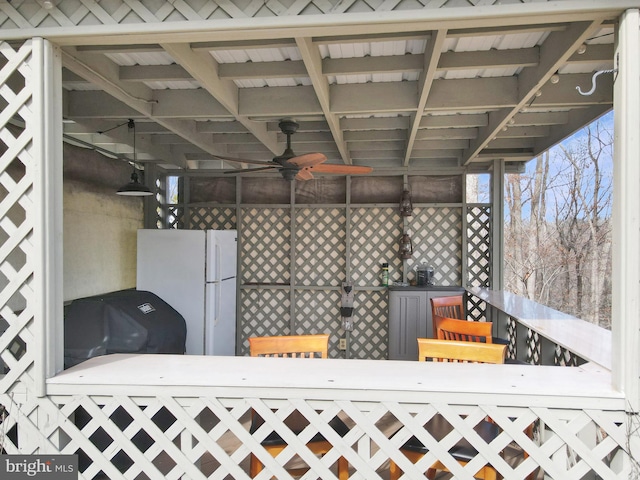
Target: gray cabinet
[[410, 318]]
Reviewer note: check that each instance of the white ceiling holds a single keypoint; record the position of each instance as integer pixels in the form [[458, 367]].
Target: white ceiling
[[396, 100]]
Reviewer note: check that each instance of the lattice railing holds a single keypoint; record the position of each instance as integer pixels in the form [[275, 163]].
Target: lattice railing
[[19, 211], [207, 436]]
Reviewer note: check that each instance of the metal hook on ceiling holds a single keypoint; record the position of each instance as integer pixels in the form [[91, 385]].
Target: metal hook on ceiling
[[593, 81]]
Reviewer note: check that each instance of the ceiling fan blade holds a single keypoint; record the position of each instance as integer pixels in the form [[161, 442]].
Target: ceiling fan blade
[[304, 174], [244, 160], [341, 169], [308, 160], [249, 170]]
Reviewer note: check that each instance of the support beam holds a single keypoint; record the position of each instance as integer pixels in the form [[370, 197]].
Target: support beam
[[313, 62], [431, 59], [204, 69], [497, 221]]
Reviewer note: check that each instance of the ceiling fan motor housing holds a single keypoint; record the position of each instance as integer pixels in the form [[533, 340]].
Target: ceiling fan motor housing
[[288, 126]]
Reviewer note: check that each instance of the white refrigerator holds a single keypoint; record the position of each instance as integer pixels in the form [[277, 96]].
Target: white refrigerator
[[194, 271]]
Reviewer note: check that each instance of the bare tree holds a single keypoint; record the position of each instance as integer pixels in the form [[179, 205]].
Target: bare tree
[[558, 227]]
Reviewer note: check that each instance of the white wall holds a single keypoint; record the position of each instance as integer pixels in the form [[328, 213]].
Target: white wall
[[99, 226]]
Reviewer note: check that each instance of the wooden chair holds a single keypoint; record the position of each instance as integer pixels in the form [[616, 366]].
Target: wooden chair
[[451, 306], [295, 346], [468, 331], [460, 351], [462, 330], [438, 427]]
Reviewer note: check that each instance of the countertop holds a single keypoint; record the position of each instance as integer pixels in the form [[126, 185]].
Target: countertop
[[434, 288]]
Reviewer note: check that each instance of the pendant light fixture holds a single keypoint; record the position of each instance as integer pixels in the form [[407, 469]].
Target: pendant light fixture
[[134, 188]]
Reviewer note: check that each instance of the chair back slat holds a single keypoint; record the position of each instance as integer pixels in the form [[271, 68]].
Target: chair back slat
[[454, 351], [463, 330], [291, 346]]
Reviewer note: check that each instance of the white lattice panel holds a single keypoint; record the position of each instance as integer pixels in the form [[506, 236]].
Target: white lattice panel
[[206, 436], [263, 312], [320, 246], [374, 240], [318, 311], [18, 215], [265, 255], [436, 234]]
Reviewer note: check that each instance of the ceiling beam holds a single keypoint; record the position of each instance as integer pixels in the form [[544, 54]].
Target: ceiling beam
[[512, 58], [454, 121], [313, 63], [135, 97], [153, 73], [554, 52], [378, 123], [203, 68], [262, 70], [577, 119]]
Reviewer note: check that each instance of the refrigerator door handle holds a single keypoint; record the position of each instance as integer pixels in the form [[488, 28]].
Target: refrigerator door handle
[[216, 319], [218, 253]]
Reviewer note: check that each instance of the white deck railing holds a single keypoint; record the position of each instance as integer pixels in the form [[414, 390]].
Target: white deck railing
[[205, 404]]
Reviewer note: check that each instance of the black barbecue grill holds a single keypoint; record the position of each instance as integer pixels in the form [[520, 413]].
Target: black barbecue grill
[[127, 321]]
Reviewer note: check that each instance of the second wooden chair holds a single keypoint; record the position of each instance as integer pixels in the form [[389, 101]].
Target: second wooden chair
[[438, 427], [294, 346]]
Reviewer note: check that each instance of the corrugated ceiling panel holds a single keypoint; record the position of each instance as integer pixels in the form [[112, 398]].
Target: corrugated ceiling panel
[[141, 58], [256, 55], [174, 85]]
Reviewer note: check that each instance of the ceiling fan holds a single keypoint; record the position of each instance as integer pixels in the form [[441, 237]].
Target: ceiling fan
[[300, 167]]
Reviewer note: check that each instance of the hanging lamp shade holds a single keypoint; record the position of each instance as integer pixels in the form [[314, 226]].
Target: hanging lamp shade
[[134, 188]]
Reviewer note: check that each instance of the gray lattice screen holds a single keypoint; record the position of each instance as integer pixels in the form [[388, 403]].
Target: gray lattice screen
[[374, 240], [318, 237], [479, 246], [213, 218], [370, 335], [320, 246], [265, 256], [318, 311], [264, 312], [173, 217], [436, 234]]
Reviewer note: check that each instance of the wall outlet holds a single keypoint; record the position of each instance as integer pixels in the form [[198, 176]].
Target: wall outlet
[[342, 345]]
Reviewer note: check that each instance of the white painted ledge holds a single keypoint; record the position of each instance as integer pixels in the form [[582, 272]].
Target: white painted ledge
[[192, 376], [588, 341]]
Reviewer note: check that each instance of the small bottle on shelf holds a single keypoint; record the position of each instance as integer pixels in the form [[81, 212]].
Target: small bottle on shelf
[[385, 274]]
